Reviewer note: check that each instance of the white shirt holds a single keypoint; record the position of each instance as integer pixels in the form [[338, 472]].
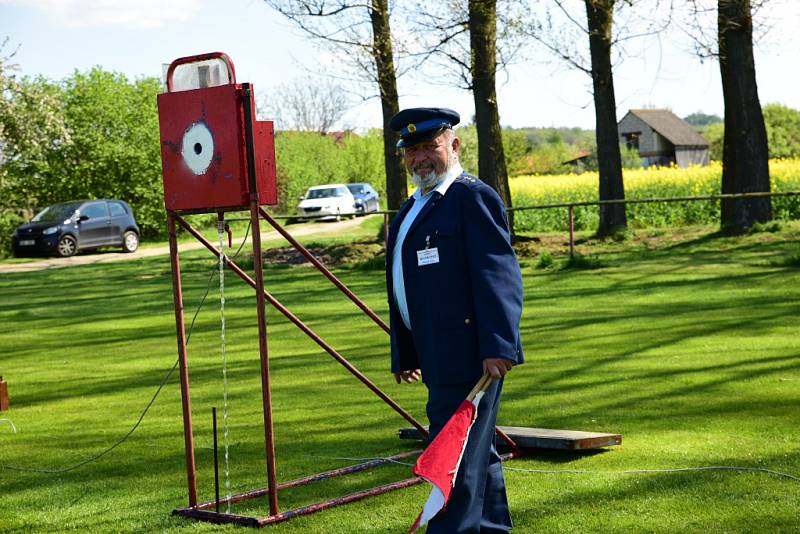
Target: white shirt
[[420, 199]]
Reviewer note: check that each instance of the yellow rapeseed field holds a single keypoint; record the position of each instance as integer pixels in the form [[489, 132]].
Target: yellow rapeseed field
[[664, 182], [784, 174]]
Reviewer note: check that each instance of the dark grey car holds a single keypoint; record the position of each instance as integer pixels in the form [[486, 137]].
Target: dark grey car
[[366, 197], [64, 229]]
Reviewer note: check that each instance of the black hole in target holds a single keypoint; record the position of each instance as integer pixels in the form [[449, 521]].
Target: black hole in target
[[198, 148]]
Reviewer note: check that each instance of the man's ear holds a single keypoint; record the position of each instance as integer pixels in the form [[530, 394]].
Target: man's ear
[[456, 144]]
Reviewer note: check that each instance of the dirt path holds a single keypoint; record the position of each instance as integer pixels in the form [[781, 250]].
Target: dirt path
[[109, 256]]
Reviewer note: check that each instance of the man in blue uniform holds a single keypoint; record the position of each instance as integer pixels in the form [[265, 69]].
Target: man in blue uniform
[[455, 300]]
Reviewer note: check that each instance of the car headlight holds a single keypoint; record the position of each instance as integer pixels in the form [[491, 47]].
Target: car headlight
[[50, 231]]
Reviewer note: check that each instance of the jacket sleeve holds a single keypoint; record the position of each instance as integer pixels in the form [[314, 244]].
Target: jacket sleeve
[[494, 273]]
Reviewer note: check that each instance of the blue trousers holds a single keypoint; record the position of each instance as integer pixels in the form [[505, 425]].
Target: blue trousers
[[478, 503]]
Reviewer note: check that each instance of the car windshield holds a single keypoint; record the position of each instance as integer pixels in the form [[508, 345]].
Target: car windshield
[[356, 189], [321, 193], [56, 212]]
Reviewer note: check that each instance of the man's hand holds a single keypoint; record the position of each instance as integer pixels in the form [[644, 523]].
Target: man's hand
[[497, 367], [409, 376]]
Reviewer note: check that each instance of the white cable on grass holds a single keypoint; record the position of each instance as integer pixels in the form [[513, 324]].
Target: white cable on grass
[[645, 471], [225, 427], [592, 472], [10, 422]]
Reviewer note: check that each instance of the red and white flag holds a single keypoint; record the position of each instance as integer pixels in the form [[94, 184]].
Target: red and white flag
[[439, 462]]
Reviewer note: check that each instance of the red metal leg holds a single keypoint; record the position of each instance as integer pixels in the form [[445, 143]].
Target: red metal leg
[[266, 392], [177, 294]]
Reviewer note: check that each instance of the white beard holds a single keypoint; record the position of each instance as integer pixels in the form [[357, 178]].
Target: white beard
[[433, 179], [429, 181]]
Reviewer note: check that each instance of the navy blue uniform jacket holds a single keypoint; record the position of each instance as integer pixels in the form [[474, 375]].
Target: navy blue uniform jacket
[[466, 307]]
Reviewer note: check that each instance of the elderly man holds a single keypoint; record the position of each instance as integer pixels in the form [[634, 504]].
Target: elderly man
[[455, 300]]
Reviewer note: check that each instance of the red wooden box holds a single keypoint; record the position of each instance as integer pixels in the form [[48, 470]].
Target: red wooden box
[[203, 151]]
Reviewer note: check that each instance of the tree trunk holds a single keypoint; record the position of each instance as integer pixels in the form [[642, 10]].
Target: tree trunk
[[396, 188], [491, 158], [599, 15], [745, 155]]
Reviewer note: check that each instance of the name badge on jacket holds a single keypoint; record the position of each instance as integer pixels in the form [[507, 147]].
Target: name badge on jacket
[[427, 256]]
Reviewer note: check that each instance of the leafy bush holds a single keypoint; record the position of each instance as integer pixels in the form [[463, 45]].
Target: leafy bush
[[545, 260], [305, 159], [8, 221], [581, 262]]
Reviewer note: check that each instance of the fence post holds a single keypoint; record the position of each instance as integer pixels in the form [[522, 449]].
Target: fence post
[[571, 231]]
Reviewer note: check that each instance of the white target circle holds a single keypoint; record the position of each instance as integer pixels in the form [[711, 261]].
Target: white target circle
[[198, 147]]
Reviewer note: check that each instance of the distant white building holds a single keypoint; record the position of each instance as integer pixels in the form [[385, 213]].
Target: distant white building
[[662, 138]]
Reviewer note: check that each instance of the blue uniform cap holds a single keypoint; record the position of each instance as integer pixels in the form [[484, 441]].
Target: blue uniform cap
[[420, 124]]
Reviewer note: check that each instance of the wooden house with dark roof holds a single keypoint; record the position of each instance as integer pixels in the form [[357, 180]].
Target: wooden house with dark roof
[[662, 138]]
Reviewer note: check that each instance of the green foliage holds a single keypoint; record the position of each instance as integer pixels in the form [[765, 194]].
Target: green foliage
[[468, 156], [783, 131], [702, 119], [306, 159], [768, 227], [545, 260], [791, 260], [516, 148], [522, 156], [580, 262], [114, 149], [715, 135], [9, 220], [94, 135], [630, 157], [32, 128]]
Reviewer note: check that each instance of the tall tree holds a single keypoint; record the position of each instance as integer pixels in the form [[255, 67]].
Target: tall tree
[[609, 25], [466, 43], [600, 20], [361, 32], [745, 154], [483, 66]]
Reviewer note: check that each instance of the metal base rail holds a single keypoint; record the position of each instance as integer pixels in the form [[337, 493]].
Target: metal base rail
[[202, 512]]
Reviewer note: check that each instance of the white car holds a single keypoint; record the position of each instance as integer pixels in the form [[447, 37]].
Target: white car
[[327, 201]]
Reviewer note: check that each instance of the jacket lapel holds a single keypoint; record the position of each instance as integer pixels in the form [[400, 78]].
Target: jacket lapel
[[424, 212]]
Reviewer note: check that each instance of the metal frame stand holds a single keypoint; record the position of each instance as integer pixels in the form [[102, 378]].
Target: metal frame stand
[[205, 511]]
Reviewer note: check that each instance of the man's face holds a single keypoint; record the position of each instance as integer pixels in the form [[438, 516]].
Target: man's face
[[430, 156]]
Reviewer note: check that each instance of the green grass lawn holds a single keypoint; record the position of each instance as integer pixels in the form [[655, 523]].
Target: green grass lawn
[[687, 345]]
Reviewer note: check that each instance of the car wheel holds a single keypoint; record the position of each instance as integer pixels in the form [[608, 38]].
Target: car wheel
[[67, 246], [130, 241]]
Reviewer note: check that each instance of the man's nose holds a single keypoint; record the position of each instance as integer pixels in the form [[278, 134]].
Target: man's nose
[[418, 157]]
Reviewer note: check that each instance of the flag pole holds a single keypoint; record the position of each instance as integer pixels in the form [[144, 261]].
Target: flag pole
[[482, 385]]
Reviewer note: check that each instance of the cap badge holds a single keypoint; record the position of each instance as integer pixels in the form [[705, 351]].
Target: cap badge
[[411, 128]]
